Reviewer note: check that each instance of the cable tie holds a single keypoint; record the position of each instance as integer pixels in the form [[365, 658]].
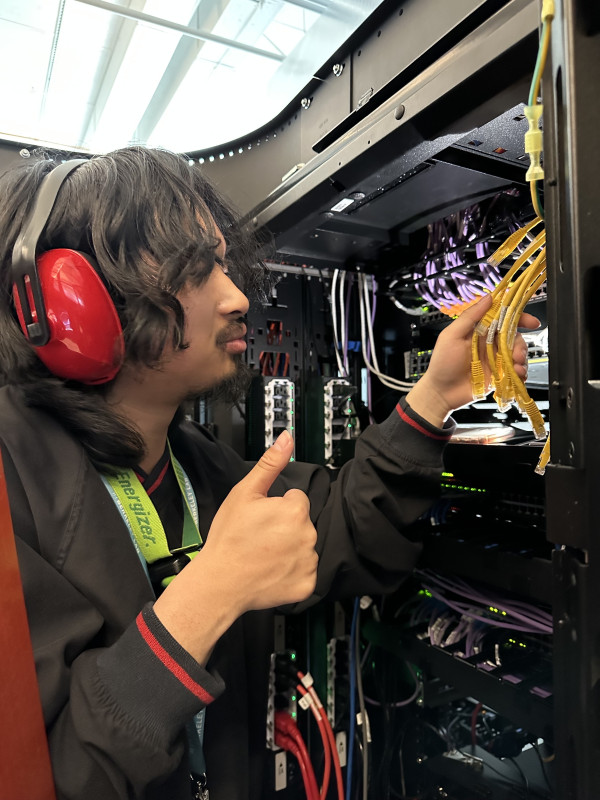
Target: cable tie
[[502, 316], [305, 702], [307, 680], [492, 331]]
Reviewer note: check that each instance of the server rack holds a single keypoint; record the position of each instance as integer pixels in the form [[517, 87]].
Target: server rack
[[429, 136]]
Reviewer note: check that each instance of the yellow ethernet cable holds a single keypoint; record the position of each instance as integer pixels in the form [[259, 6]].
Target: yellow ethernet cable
[[533, 111], [510, 244], [478, 385], [488, 325], [544, 458], [483, 326], [532, 282]]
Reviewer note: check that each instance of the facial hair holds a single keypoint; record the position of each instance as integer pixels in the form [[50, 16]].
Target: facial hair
[[233, 388]]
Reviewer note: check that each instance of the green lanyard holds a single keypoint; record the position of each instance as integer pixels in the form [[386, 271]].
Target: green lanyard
[[140, 516], [150, 541]]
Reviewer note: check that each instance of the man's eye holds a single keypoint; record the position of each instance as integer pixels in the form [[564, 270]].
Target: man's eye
[[224, 266]]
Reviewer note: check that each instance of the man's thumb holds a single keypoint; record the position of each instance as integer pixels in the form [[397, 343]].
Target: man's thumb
[[267, 468]]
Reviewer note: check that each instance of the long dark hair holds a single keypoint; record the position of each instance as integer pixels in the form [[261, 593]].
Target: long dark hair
[[146, 216]]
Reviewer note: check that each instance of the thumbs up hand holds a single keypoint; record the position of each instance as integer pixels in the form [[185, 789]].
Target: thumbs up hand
[[259, 553], [265, 545]]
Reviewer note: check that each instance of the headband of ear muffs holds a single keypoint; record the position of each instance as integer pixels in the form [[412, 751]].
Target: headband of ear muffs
[[62, 305]]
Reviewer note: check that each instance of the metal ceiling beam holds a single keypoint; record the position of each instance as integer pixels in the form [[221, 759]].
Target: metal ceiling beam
[[121, 33], [50, 68], [309, 5], [183, 29], [185, 54], [187, 51]]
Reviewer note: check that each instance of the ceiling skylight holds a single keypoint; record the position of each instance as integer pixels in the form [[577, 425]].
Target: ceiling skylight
[[181, 74]]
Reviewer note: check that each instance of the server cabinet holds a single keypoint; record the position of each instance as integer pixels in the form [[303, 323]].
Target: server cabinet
[[572, 166]]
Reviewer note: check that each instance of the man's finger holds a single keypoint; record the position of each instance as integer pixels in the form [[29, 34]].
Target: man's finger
[[261, 476], [465, 323], [529, 321]]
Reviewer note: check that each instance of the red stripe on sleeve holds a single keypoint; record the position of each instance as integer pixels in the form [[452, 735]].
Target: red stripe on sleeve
[[170, 663], [404, 416]]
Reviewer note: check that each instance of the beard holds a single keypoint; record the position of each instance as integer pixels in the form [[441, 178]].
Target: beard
[[232, 389]]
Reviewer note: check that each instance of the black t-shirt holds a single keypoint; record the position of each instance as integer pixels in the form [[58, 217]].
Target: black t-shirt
[[163, 490]]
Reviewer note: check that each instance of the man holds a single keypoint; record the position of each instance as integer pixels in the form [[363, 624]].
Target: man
[[102, 473]]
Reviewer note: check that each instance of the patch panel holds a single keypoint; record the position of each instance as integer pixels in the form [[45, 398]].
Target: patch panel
[[272, 409]]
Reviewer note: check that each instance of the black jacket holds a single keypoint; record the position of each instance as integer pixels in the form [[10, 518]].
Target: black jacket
[[116, 689]]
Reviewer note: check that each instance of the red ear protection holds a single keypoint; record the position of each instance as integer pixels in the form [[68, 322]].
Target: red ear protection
[[62, 305]]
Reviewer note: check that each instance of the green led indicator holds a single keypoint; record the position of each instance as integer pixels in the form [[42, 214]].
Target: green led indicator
[[293, 698], [294, 714], [293, 656]]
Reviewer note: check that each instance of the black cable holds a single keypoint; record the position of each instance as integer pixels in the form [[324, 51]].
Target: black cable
[[522, 774], [486, 765], [542, 764]]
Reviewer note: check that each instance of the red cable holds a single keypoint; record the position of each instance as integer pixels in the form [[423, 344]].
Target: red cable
[[326, 748], [474, 715], [287, 743], [336, 757], [285, 729]]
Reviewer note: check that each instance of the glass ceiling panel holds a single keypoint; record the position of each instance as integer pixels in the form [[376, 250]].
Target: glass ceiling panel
[[184, 74]]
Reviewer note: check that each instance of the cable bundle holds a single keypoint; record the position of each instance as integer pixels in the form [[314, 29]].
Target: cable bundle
[[341, 289], [311, 700], [288, 737], [491, 609], [495, 334], [448, 283]]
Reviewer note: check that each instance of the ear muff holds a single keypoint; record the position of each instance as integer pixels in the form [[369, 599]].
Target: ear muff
[[85, 339], [62, 305]]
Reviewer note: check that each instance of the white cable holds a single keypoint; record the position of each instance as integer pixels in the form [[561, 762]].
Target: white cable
[[415, 312], [336, 340], [392, 383], [343, 340], [368, 340]]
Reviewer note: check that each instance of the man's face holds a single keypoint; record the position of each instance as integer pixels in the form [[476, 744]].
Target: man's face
[[214, 332]]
